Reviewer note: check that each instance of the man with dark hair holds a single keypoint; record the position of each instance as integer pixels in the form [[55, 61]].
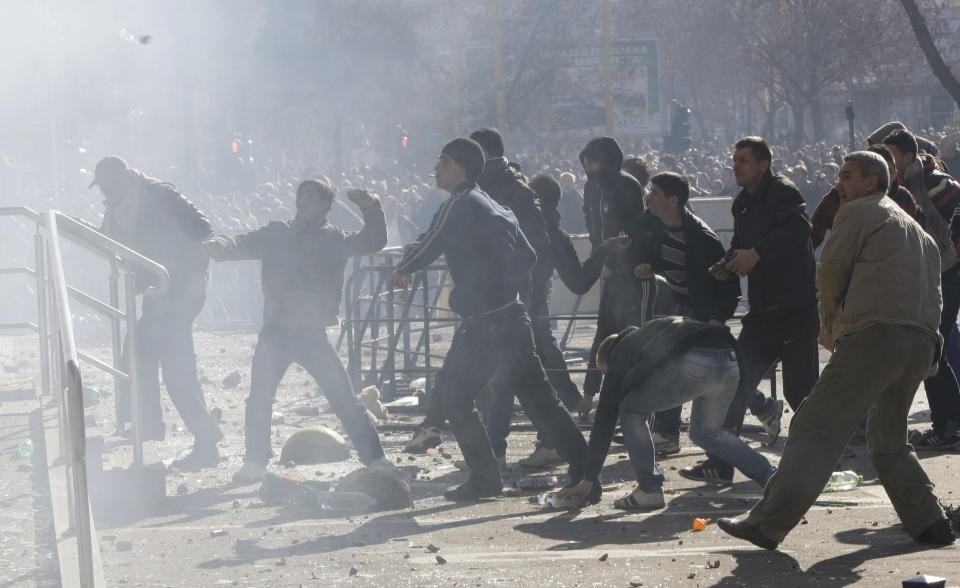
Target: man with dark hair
[[882, 348], [302, 264], [938, 195], [508, 188], [667, 362], [579, 279], [155, 220], [771, 246], [639, 169], [681, 249], [489, 259], [822, 217], [613, 204]]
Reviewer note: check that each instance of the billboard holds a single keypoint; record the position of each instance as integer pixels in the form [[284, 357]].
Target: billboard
[[579, 99]]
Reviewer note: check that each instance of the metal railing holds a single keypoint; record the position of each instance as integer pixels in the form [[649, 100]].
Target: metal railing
[[69, 395], [60, 357]]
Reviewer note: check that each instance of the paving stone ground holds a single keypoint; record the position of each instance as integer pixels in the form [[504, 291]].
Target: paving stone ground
[[210, 531]]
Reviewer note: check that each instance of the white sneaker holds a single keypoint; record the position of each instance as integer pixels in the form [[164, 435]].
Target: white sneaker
[[250, 472], [640, 500], [426, 438], [541, 457], [383, 463]]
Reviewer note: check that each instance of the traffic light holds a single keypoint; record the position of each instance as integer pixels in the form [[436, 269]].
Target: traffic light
[[678, 139], [235, 146], [404, 138]]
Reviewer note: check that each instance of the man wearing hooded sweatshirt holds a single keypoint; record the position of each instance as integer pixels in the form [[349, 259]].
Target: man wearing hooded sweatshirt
[[302, 263], [489, 259], [613, 204]]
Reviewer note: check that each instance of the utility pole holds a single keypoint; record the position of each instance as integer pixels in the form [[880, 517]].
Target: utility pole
[[607, 73], [498, 71]]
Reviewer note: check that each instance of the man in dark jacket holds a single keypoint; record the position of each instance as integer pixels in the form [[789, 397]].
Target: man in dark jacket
[[508, 188], [302, 265], [154, 219], [613, 204], [680, 247], [488, 258], [771, 246]]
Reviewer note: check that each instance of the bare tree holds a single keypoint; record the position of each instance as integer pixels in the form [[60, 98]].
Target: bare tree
[[930, 50]]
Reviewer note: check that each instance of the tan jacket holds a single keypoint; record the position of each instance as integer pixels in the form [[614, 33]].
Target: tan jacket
[[878, 267]]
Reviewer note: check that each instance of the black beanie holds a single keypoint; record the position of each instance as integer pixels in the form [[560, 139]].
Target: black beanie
[[491, 141], [467, 153]]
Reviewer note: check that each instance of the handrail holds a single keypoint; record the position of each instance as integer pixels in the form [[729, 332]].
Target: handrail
[[94, 239], [72, 411]]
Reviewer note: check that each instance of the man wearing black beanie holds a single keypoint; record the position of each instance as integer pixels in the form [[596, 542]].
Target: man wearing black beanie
[[488, 258], [508, 187]]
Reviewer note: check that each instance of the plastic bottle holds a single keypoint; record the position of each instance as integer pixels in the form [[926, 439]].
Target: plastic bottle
[[277, 489], [26, 448], [537, 482], [843, 481], [551, 500]]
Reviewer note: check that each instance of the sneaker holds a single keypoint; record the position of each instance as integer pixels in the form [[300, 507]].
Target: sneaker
[[641, 501], [541, 457], [938, 533], [770, 419], [931, 440], [741, 530], [501, 463], [203, 455], [250, 472], [665, 444], [473, 490], [712, 471], [426, 438]]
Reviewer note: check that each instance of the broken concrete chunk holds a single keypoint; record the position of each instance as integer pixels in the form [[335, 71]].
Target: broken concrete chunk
[[315, 445]]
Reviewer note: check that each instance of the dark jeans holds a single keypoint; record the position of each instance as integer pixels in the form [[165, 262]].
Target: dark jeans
[[165, 344], [275, 351], [500, 345], [943, 394], [499, 411], [624, 302], [792, 340]]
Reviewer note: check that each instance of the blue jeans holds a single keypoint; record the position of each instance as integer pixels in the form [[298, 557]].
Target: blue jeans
[[274, 353], [709, 377]]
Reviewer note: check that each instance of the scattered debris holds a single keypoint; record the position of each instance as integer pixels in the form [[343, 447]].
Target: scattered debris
[[604, 557], [232, 380], [713, 564], [307, 411], [692, 575], [440, 560], [353, 571], [700, 524], [277, 417], [217, 414], [432, 548], [183, 489], [124, 545], [218, 532]]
